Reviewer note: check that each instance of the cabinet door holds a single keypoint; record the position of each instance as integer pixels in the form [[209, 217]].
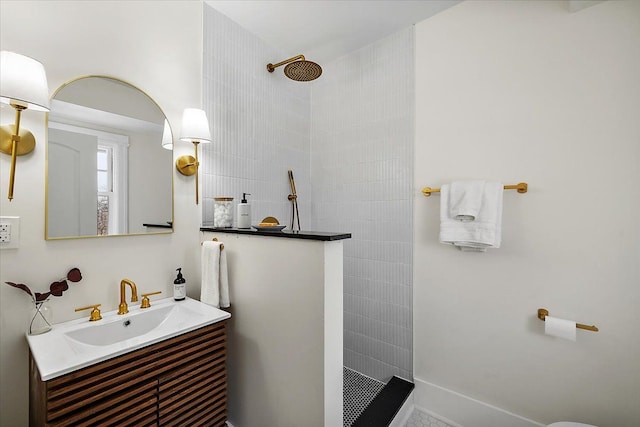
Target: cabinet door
[[129, 405], [196, 393], [92, 400], [133, 406]]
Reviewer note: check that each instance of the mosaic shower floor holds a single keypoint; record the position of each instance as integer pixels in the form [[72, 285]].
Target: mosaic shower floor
[[359, 390]]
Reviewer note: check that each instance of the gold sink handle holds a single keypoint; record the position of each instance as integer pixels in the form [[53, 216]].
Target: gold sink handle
[[95, 313], [145, 299]]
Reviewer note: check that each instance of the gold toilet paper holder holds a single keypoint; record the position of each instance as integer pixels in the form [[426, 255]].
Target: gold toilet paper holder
[[543, 312]]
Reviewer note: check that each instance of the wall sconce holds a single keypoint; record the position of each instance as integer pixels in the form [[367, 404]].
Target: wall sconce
[[195, 129], [167, 136], [23, 84]]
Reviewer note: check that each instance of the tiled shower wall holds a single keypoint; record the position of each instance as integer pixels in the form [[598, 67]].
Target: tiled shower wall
[[348, 137], [362, 172], [260, 125]]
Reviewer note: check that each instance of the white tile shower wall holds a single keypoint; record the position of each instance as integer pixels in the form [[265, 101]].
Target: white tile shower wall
[[353, 139], [260, 124], [361, 173]]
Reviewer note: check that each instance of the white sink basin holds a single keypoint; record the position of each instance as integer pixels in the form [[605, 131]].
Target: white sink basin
[[118, 330], [79, 343]]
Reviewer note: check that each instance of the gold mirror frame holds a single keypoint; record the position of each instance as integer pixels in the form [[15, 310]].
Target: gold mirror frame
[[54, 118]]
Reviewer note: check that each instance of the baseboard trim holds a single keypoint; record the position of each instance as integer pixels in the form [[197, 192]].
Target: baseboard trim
[[464, 411]]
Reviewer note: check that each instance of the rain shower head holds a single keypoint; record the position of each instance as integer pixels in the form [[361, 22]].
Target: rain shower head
[[298, 69]]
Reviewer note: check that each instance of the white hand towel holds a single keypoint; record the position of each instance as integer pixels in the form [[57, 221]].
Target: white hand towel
[[215, 279], [465, 199], [477, 235]]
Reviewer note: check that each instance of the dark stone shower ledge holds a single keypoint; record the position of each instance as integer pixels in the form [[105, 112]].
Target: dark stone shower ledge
[[384, 407], [306, 235]]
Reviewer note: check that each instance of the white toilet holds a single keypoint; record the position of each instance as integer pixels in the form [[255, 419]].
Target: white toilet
[[570, 424]]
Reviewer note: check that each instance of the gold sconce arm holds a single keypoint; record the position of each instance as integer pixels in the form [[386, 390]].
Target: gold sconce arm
[[15, 142], [188, 165], [23, 84]]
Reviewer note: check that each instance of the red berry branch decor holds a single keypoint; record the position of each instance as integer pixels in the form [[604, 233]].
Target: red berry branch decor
[[56, 289], [41, 322]]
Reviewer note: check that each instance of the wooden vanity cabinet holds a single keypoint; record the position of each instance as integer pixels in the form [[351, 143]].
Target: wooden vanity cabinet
[[177, 382]]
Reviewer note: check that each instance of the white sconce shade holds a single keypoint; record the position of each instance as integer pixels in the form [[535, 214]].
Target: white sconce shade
[[167, 136], [195, 126], [23, 81], [195, 129]]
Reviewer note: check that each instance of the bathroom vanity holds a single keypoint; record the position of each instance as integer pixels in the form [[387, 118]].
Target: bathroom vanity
[[285, 335], [176, 380]]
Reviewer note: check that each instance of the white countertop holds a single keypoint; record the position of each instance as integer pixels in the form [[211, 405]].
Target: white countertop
[[56, 354]]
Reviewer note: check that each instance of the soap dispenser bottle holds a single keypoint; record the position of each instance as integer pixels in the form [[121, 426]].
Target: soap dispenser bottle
[[244, 212], [179, 287]]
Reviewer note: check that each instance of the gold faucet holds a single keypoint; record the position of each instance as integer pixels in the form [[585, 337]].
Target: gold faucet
[[123, 308]]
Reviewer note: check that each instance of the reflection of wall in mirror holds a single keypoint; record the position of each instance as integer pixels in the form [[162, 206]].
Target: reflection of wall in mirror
[[150, 186], [107, 94]]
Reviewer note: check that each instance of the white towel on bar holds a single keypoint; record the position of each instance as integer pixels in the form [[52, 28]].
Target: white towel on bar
[[465, 199], [477, 235], [215, 279]]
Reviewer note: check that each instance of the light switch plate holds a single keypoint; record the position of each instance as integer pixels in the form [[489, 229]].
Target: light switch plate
[[9, 232]]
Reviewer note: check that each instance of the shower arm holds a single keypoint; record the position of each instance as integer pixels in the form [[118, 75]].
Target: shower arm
[[272, 67]]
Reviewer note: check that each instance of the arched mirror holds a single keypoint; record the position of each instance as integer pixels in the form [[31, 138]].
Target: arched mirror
[[109, 161]]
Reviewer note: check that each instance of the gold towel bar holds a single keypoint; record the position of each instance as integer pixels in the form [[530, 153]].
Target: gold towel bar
[[542, 313], [522, 187], [215, 239]]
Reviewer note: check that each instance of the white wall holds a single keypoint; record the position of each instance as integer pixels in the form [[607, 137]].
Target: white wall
[[526, 91], [156, 46]]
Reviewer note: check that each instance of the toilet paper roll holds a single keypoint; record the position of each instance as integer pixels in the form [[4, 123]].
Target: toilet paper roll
[[560, 328]]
